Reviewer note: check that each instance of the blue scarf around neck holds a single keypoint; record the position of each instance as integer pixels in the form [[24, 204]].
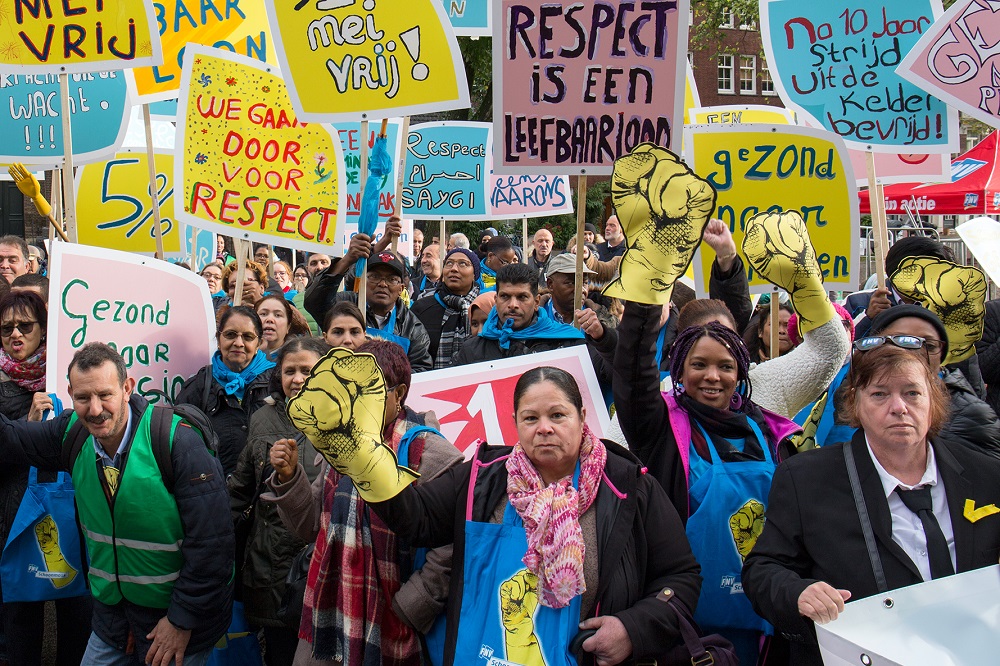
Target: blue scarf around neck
[[543, 328], [235, 383]]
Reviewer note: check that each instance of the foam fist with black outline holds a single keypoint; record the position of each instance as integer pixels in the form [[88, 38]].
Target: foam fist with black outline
[[341, 409], [778, 247], [663, 208]]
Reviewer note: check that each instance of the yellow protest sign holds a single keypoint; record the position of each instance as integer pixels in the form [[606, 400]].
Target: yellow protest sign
[[355, 59], [741, 115], [239, 26], [115, 208], [248, 167], [44, 36], [774, 168], [692, 99]]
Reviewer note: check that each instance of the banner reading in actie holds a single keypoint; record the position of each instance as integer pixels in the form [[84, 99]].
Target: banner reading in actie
[[45, 36], [247, 166], [834, 62], [578, 84]]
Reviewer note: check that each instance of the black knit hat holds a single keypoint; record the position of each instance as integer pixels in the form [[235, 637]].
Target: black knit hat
[[886, 317]]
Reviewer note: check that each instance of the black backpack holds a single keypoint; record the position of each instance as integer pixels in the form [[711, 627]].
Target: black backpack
[[159, 427]]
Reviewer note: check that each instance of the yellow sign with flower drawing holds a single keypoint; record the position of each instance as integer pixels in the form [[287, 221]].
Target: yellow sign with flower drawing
[[247, 166]]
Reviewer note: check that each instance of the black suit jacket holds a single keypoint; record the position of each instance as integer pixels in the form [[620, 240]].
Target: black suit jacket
[[813, 532]]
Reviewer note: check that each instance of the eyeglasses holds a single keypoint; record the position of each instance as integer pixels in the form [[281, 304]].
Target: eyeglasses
[[457, 264], [25, 327], [502, 261], [904, 341], [390, 280], [232, 335]]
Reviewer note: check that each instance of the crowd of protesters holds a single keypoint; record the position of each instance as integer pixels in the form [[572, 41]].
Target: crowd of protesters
[[620, 537]]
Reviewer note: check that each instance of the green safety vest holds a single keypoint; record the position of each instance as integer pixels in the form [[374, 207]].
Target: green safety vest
[[134, 542]]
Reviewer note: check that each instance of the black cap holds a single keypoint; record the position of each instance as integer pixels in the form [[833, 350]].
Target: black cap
[[590, 227], [886, 317], [389, 260]]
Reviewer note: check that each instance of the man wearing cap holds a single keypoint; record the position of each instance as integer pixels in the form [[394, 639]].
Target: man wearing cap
[[499, 253], [445, 314], [386, 315], [35, 260], [972, 422]]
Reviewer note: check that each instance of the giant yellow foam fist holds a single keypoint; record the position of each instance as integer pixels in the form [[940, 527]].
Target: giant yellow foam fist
[[663, 208], [956, 294], [29, 187], [778, 247], [341, 409]]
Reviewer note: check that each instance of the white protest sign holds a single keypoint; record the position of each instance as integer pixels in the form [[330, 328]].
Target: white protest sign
[[953, 621], [157, 315], [476, 402], [982, 237]]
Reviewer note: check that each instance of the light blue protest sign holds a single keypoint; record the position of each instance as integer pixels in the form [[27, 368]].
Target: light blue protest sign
[[165, 110], [204, 247], [31, 117], [350, 140], [448, 171], [470, 18], [834, 61]]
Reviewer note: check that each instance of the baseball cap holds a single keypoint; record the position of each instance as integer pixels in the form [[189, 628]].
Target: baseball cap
[[388, 259], [565, 263]]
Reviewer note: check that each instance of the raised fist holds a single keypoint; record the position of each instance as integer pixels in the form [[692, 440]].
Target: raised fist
[[341, 409], [663, 208], [746, 525], [29, 187], [47, 536], [956, 294], [777, 245], [518, 603]]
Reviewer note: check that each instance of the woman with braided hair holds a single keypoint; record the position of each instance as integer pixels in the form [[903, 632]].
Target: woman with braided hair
[[711, 448]]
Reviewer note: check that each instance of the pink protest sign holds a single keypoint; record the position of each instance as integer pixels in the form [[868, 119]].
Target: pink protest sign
[[893, 168], [578, 84], [957, 59], [157, 315], [476, 402], [529, 196]]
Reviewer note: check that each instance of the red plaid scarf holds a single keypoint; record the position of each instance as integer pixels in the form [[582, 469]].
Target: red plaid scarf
[[353, 576]]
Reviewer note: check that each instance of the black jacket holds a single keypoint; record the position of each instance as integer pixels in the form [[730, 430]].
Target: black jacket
[[642, 546], [407, 326], [988, 349], [202, 595], [813, 532], [602, 352], [733, 289], [15, 403], [230, 417], [972, 422]]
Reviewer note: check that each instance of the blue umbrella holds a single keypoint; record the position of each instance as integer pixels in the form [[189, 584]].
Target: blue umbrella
[[379, 167]]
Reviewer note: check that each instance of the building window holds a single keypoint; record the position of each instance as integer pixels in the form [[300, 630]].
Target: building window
[[728, 21], [751, 26], [748, 75], [766, 82], [726, 74], [691, 58]]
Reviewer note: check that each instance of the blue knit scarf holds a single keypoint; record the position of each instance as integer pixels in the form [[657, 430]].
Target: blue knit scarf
[[235, 383], [543, 328]]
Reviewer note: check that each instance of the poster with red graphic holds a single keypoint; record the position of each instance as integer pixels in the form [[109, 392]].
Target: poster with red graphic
[[476, 402]]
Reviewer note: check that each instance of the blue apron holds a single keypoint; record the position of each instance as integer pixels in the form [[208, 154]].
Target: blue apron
[[661, 340], [495, 584], [42, 558], [388, 332], [726, 493]]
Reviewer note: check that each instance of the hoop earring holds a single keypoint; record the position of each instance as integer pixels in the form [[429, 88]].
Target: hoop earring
[[736, 402]]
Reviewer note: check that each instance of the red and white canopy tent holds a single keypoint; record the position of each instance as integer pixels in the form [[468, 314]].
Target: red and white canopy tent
[[974, 188]]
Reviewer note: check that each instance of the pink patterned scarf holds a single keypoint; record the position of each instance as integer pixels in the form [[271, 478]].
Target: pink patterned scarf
[[551, 516], [29, 374]]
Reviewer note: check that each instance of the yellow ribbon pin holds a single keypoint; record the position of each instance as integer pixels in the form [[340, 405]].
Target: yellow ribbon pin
[[972, 514]]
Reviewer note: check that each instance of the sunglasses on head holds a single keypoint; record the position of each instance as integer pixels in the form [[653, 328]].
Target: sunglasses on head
[[904, 341]]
